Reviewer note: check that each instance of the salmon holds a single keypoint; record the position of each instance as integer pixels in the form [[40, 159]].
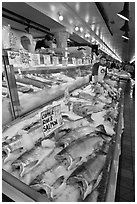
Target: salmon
[[86, 175], [74, 135], [79, 150], [30, 159]]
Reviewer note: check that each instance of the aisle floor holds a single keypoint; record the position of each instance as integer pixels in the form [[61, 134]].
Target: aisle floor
[[125, 191]]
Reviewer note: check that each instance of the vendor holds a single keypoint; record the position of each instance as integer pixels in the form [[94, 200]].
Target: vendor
[[46, 42], [99, 70]]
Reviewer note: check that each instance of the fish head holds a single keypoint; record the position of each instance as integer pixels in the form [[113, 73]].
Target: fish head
[[5, 153], [78, 182], [64, 160], [58, 182]]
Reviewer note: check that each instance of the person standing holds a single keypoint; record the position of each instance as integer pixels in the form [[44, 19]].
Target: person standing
[[99, 70], [45, 43]]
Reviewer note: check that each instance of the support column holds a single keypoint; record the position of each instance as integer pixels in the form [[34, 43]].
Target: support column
[[61, 36]]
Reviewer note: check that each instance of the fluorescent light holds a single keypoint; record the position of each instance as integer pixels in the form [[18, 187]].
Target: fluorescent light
[[124, 14]]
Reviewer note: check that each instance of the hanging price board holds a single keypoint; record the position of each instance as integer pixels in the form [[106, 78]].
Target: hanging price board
[[51, 119]]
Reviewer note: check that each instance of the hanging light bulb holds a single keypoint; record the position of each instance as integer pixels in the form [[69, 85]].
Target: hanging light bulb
[[81, 29], [125, 27], [125, 36], [76, 28], [125, 12], [61, 17]]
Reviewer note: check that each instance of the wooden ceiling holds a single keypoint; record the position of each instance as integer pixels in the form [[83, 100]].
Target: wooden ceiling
[[105, 31]]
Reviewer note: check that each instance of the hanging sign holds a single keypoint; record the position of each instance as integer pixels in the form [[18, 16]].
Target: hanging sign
[[51, 119]]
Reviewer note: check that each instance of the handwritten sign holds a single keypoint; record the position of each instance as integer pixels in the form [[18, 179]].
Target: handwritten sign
[[51, 119], [14, 58]]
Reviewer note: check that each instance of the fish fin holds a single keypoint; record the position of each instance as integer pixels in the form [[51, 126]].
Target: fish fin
[[96, 182], [25, 169], [43, 188]]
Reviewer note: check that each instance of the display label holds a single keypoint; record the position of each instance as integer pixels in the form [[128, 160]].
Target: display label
[[47, 59], [25, 59], [14, 58], [51, 119], [34, 60]]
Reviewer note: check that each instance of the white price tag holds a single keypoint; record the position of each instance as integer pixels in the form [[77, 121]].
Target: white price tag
[[51, 119], [47, 59]]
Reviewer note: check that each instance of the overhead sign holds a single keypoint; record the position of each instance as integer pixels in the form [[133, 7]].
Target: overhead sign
[[51, 119]]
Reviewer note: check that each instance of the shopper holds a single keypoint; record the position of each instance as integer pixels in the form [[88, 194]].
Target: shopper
[[46, 42], [99, 70]]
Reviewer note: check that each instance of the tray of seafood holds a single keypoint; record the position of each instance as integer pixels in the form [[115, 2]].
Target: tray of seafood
[[73, 162]]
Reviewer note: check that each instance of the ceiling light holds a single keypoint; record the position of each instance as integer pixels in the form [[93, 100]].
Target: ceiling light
[[76, 28], [87, 35], [61, 17], [125, 27], [81, 29], [125, 36], [125, 12]]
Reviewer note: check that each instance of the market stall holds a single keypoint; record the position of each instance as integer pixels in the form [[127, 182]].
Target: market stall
[[77, 123]]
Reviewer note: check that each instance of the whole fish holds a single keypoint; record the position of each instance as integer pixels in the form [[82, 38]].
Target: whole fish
[[86, 175], [79, 150], [12, 145], [74, 124], [30, 159], [75, 134]]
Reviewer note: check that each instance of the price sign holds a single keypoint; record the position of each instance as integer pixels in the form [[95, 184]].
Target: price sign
[[47, 59], [25, 59], [34, 60], [14, 58], [51, 119]]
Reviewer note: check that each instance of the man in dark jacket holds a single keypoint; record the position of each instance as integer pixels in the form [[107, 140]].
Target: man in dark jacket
[[46, 42]]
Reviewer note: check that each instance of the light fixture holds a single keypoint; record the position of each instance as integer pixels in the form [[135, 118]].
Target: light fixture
[[125, 36], [61, 17], [125, 27], [81, 29], [87, 35], [76, 28], [125, 12]]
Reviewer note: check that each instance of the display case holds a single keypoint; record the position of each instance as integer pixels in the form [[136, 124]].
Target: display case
[[93, 112], [25, 83]]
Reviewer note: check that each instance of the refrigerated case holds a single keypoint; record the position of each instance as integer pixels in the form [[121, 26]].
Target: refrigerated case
[[24, 86], [15, 188]]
